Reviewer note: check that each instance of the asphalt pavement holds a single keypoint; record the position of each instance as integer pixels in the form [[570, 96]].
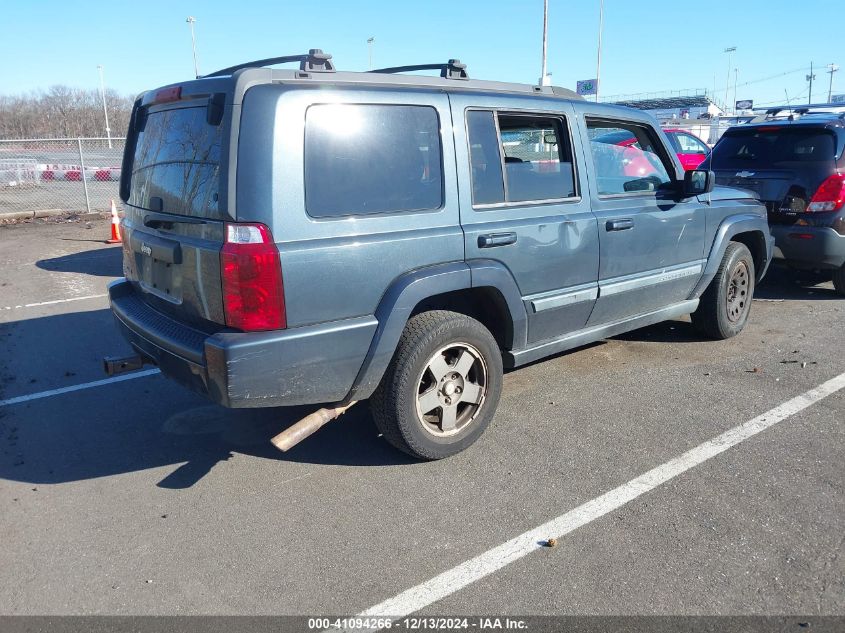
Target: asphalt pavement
[[139, 497]]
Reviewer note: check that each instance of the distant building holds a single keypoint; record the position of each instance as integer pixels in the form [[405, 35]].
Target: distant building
[[667, 108], [695, 112]]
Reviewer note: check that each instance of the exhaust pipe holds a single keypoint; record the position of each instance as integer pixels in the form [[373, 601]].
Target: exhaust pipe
[[114, 365], [308, 425]]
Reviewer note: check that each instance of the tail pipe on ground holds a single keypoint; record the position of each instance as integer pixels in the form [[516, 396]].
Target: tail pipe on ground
[[284, 441]]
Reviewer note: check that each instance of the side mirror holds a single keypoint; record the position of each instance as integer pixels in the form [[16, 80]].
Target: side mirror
[[698, 181]]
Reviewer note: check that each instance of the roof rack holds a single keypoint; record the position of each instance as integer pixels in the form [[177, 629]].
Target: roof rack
[[803, 108], [794, 112], [453, 69], [315, 60]]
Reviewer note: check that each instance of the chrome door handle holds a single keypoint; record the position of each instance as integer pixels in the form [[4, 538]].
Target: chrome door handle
[[496, 239], [622, 224]]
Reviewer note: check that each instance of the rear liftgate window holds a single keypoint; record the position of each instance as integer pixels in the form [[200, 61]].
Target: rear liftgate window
[[176, 164], [367, 159], [772, 147], [537, 158]]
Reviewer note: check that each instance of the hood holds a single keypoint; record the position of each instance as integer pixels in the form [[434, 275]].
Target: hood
[[728, 193]]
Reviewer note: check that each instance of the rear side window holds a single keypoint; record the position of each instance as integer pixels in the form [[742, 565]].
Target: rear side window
[[519, 158], [626, 158], [366, 159], [176, 165], [688, 144], [772, 147]]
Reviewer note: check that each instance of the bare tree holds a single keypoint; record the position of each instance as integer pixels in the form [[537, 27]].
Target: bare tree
[[61, 111]]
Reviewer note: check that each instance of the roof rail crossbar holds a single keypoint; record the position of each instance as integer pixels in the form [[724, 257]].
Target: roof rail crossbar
[[453, 69], [315, 60]]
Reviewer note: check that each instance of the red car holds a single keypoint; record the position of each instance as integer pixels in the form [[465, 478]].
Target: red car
[[690, 149]]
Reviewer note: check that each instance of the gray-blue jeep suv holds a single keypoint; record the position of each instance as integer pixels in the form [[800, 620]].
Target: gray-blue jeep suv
[[313, 236]]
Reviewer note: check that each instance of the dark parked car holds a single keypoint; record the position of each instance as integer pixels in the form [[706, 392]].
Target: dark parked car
[[310, 236], [796, 166]]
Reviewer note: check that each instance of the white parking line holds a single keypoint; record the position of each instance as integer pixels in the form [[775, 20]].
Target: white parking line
[[475, 569], [85, 385], [55, 301]]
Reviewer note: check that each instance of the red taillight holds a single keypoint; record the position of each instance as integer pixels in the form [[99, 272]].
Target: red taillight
[[166, 95], [253, 293], [830, 196]]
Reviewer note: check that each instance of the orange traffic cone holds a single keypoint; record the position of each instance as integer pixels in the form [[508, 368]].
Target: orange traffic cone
[[115, 226]]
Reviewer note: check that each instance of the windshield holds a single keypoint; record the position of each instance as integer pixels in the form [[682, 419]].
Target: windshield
[[176, 164], [772, 147]]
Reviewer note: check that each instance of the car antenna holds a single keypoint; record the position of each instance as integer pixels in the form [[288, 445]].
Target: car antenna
[[788, 104]]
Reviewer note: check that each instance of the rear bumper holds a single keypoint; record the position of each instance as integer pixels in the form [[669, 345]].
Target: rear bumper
[[809, 246], [307, 365]]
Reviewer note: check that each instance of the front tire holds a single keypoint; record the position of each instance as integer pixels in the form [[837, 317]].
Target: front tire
[[725, 305], [442, 387]]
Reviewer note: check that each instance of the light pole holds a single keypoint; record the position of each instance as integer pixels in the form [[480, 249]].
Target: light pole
[[598, 57], [831, 68], [370, 41], [191, 20], [736, 76], [542, 81], [105, 109], [810, 78], [730, 51]]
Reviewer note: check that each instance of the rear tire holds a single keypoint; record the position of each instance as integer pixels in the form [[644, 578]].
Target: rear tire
[[725, 305], [839, 280], [442, 387]]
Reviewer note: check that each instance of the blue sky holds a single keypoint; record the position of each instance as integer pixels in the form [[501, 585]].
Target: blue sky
[[648, 45]]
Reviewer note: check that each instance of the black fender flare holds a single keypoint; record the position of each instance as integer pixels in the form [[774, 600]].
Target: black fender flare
[[489, 273], [730, 227], [406, 291]]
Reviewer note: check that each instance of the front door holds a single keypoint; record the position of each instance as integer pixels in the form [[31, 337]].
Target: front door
[[522, 206], [651, 240]]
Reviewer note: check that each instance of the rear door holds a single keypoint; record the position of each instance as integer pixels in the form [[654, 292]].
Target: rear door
[[522, 205], [174, 219], [652, 241]]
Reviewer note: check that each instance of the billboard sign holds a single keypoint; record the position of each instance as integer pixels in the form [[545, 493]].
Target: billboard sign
[[745, 104], [837, 99], [587, 87]]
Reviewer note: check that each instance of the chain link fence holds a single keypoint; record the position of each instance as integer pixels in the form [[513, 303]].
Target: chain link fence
[[67, 174]]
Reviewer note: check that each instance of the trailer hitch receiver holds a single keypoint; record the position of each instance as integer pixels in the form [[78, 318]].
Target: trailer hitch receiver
[[114, 365]]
